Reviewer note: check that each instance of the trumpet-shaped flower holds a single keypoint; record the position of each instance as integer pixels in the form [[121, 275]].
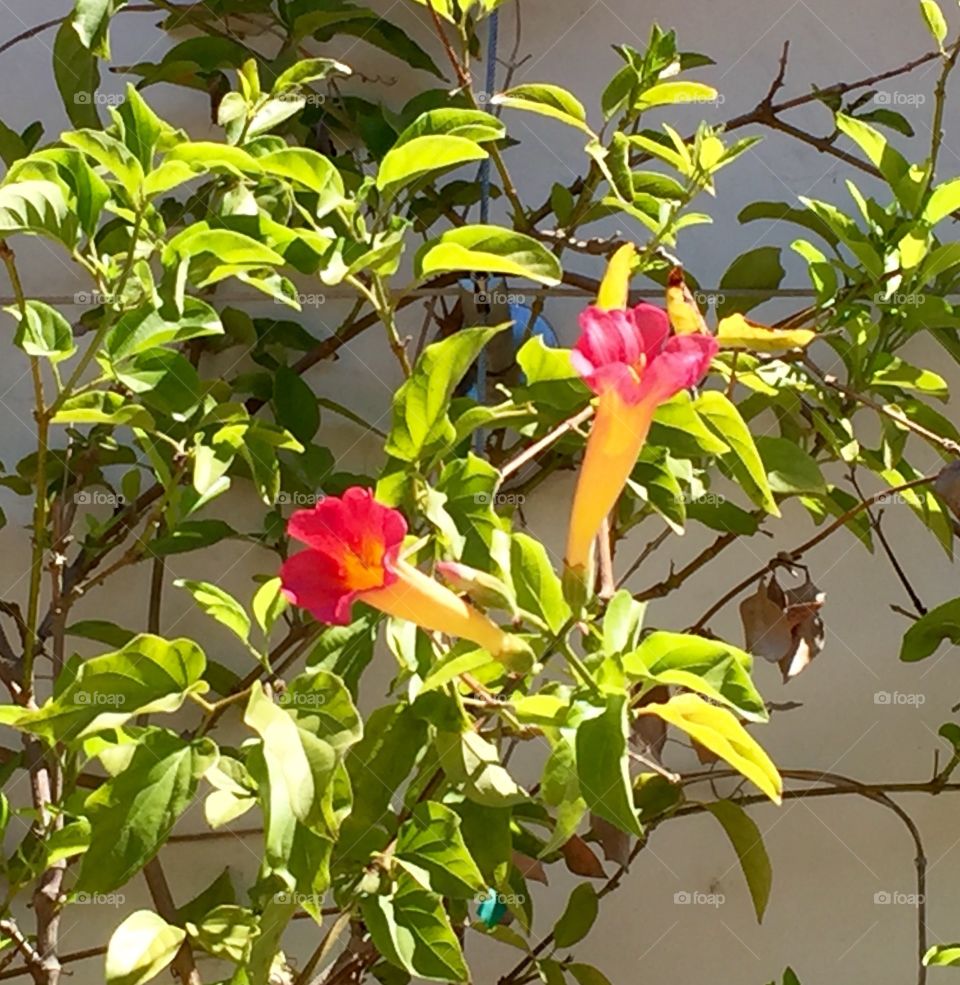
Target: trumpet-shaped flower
[[353, 553], [628, 357]]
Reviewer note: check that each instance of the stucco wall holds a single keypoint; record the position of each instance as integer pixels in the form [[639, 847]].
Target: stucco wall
[[831, 857]]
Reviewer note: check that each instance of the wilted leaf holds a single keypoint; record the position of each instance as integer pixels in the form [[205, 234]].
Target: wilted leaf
[[581, 860], [784, 627]]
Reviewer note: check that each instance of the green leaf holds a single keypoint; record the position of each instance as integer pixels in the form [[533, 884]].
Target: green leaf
[[622, 623], [309, 70], [936, 22], [924, 637], [394, 740], [140, 948], [538, 588], [295, 404], [149, 674], [586, 974], [747, 842], [882, 155], [91, 21], [547, 100], [226, 245], [346, 650], [491, 249], [42, 331], [471, 124], [268, 604], [191, 536], [37, 207], [712, 668], [745, 461], [757, 269], [219, 605], [578, 916], [133, 813], [299, 767], [410, 928], [431, 839], [77, 74], [670, 93], [423, 155], [311, 170], [366, 25], [790, 470], [470, 760], [321, 705], [421, 422], [146, 328], [942, 956], [165, 380], [103, 407], [101, 631], [603, 766], [943, 201], [780, 211], [108, 152]]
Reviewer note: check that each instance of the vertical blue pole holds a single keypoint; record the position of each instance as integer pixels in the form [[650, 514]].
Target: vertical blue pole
[[479, 436]]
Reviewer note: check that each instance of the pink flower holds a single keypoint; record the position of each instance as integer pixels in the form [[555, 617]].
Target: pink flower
[[633, 352], [353, 553], [628, 357]]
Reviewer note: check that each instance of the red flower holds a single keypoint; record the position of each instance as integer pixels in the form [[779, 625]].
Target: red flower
[[353, 552], [353, 544]]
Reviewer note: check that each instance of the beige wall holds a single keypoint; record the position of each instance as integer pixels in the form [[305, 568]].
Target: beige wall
[[830, 856]]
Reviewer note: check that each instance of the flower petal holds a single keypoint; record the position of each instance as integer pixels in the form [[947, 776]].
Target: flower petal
[[682, 363], [352, 524], [314, 581], [614, 346]]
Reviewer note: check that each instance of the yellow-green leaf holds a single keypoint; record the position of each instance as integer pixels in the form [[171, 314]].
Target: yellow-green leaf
[[936, 22], [547, 100], [140, 948], [719, 731], [737, 332]]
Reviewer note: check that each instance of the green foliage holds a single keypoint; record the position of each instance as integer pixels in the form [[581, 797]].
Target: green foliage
[[407, 822]]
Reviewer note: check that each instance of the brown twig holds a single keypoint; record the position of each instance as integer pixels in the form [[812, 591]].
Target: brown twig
[[787, 557]]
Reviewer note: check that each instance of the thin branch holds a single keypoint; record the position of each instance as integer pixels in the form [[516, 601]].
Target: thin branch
[[528, 454], [787, 557]]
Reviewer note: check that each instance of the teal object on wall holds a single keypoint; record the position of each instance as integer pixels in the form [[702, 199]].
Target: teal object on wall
[[492, 909]]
